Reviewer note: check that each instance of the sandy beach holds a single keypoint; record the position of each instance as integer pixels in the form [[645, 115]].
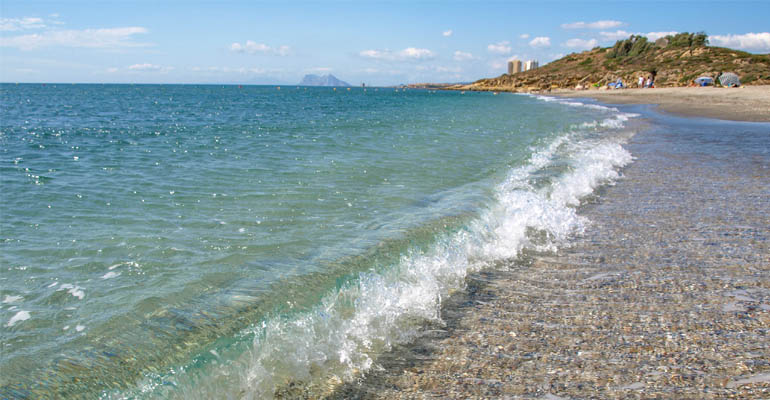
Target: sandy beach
[[667, 295], [747, 103]]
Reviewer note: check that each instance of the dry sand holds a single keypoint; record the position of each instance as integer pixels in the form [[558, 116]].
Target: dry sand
[[747, 103]]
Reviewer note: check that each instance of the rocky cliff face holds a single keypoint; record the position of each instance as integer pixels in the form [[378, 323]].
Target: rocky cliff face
[[672, 63]]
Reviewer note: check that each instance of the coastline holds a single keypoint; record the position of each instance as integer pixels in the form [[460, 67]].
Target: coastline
[[658, 299], [746, 103]]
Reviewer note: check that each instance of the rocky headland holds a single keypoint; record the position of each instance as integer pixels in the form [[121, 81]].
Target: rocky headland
[[674, 61]]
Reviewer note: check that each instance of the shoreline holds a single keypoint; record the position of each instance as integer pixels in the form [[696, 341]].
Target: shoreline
[[658, 299], [746, 103]]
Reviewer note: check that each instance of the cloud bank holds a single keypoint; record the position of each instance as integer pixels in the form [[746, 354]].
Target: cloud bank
[[407, 54], [620, 34], [604, 24], [149, 67], [252, 47], [581, 44], [18, 24], [500, 47], [540, 41], [462, 56], [747, 41], [109, 38]]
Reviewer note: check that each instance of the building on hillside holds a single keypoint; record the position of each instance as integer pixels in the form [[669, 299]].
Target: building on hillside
[[514, 66], [531, 64]]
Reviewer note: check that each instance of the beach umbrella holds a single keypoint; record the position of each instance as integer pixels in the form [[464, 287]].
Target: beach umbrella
[[704, 80], [729, 79]]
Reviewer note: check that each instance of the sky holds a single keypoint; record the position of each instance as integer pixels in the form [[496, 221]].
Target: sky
[[372, 42]]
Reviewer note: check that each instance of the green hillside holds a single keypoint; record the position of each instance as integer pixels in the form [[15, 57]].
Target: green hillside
[[674, 60]]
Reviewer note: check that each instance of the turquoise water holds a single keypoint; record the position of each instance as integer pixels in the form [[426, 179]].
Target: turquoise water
[[199, 241]]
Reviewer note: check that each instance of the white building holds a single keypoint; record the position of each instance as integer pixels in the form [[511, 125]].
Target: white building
[[531, 64]]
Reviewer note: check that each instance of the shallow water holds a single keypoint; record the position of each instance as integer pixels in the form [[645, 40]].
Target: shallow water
[[666, 294], [181, 241]]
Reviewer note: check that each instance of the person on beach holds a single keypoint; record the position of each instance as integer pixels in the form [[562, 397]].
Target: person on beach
[[641, 81], [649, 82]]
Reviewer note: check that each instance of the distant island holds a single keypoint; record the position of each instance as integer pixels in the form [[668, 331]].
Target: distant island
[[325, 80]]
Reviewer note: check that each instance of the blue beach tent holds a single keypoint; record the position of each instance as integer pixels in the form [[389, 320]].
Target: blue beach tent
[[704, 81]]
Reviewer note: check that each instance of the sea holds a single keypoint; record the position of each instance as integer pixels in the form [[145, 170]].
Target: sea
[[209, 241]]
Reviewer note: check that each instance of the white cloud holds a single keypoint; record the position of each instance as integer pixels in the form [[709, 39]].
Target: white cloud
[[17, 24], [604, 24], [621, 34], [146, 67], [416, 54], [500, 47], [409, 53], [112, 70], [540, 41], [657, 35], [581, 44], [462, 56], [376, 54], [252, 47], [447, 33], [230, 70], [283, 50], [90, 38], [524, 36], [617, 35], [747, 41]]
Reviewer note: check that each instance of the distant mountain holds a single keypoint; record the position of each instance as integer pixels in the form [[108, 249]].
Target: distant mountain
[[326, 80]]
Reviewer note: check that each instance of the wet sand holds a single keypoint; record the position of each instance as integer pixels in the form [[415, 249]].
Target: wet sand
[[666, 295], [747, 103]]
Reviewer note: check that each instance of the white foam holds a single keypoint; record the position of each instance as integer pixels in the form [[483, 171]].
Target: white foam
[[75, 291], [12, 299], [545, 98], [573, 103], [342, 336], [111, 274], [18, 317], [593, 166]]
